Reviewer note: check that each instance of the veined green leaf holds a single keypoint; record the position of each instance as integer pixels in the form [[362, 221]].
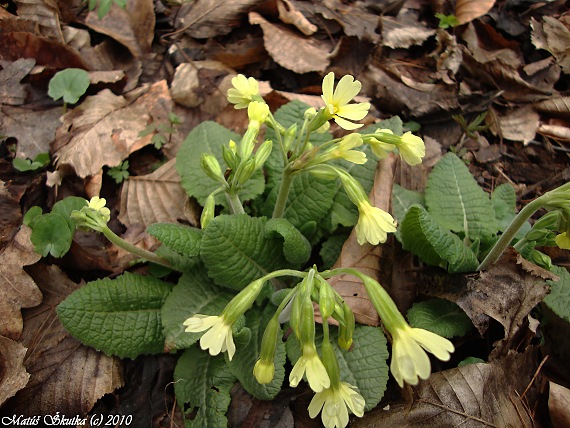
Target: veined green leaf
[[364, 366], [236, 250], [209, 137], [441, 317], [51, 235], [202, 385], [296, 247], [247, 355], [118, 316], [456, 202], [559, 298], [194, 294], [66, 206], [331, 249], [70, 84], [434, 244], [402, 199], [185, 240]]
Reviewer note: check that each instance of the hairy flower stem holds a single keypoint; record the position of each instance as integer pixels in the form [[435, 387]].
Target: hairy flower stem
[[285, 187], [235, 203], [133, 249], [510, 232]]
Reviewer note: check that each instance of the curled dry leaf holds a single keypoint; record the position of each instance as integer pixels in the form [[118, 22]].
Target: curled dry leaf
[[468, 10], [471, 396], [559, 405], [291, 50], [518, 124], [153, 198], [13, 376], [17, 289], [12, 92], [53, 358], [404, 31], [133, 26], [45, 14], [365, 257], [203, 19], [104, 129], [555, 107], [289, 14]]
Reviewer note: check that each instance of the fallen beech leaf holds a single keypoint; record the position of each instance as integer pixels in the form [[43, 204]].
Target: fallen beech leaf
[[365, 257], [153, 198], [203, 19], [518, 124], [13, 375], [556, 132], [475, 395], [17, 289], [132, 26], [291, 15], [468, 10], [555, 106], [12, 92], [10, 215], [291, 50], [103, 130], [404, 31], [558, 41], [45, 14], [66, 376], [559, 405], [34, 129]]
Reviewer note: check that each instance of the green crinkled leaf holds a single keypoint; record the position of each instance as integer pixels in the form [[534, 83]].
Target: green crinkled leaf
[[209, 137], [248, 353], [178, 261], [559, 298], [194, 294], [202, 386], [296, 247], [455, 200], [441, 317], [504, 200], [331, 248], [310, 199], [236, 250], [185, 240], [434, 244], [363, 366], [402, 199], [118, 316], [70, 84], [51, 235]]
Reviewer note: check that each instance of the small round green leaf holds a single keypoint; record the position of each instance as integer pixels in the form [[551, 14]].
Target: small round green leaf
[[70, 84], [51, 235]]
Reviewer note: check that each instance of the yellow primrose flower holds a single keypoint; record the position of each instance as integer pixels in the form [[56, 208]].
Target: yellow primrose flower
[[379, 148], [218, 338], [311, 364], [335, 402], [257, 112], [563, 241], [412, 148], [373, 224], [409, 360], [344, 149], [264, 371], [98, 204], [243, 91], [337, 100]]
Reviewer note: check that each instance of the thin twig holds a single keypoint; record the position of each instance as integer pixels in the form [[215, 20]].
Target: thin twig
[[441, 406]]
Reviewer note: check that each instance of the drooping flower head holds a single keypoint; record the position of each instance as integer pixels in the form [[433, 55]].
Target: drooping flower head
[[311, 365], [243, 92], [412, 149], [334, 403], [381, 148], [98, 204], [337, 101], [218, 338]]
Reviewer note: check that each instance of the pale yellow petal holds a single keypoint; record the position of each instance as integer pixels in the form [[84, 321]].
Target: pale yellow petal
[[328, 85], [345, 124], [346, 90], [353, 111]]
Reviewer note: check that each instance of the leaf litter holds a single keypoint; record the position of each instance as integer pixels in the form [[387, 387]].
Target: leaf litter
[[408, 66]]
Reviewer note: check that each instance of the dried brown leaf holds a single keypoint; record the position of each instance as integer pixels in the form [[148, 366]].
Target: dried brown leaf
[[45, 13], [404, 31], [17, 289], [471, 396], [12, 92], [555, 106], [366, 257], [13, 376], [291, 50], [10, 215], [558, 41], [559, 405], [104, 129], [153, 198], [66, 376], [203, 19], [34, 129], [468, 10], [289, 14], [133, 26], [517, 124]]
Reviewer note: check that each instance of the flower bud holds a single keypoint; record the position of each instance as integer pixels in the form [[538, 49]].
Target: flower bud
[[264, 369], [541, 259], [323, 172], [243, 301], [263, 153], [208, 211], [548, 221], [289, 137], [230, 157], [211, 167], [346, 328], [244, 171], [326, 298]]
